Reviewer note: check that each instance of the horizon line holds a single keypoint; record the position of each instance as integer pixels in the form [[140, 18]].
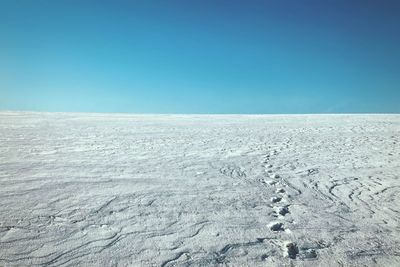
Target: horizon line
[[193, 114]]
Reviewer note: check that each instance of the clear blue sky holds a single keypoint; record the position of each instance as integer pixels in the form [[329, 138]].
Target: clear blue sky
[[200, 56]]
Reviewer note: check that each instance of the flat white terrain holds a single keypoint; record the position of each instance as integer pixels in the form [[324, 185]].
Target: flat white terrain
[[171, 190]]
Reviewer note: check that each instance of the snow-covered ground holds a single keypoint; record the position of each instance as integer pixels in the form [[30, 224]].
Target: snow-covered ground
[[177, 190]]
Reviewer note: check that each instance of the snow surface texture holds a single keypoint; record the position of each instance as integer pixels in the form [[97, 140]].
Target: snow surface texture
[[170, 190]]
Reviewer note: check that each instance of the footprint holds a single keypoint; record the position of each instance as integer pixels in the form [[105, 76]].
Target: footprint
[[275, 175], [276, 226], [282, 210], [280, 190], [270, 182], [309, 254], [291, 250], [275, 199]]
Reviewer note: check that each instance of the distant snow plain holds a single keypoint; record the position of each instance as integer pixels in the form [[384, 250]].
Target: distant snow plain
[[199, 190]]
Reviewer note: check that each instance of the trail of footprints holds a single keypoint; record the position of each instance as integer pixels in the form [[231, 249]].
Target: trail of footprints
[[281, 207]]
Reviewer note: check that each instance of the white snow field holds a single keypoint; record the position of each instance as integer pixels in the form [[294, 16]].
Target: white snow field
[[188, 190]]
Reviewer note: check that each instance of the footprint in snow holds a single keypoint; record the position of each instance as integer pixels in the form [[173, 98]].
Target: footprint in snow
[[291, 250], [280, 190], [276, 226], [270, 182], [276, 199], [309, 254], [282, 210]]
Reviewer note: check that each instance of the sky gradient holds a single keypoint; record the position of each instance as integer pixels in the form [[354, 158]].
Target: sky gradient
[[200, 56]]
